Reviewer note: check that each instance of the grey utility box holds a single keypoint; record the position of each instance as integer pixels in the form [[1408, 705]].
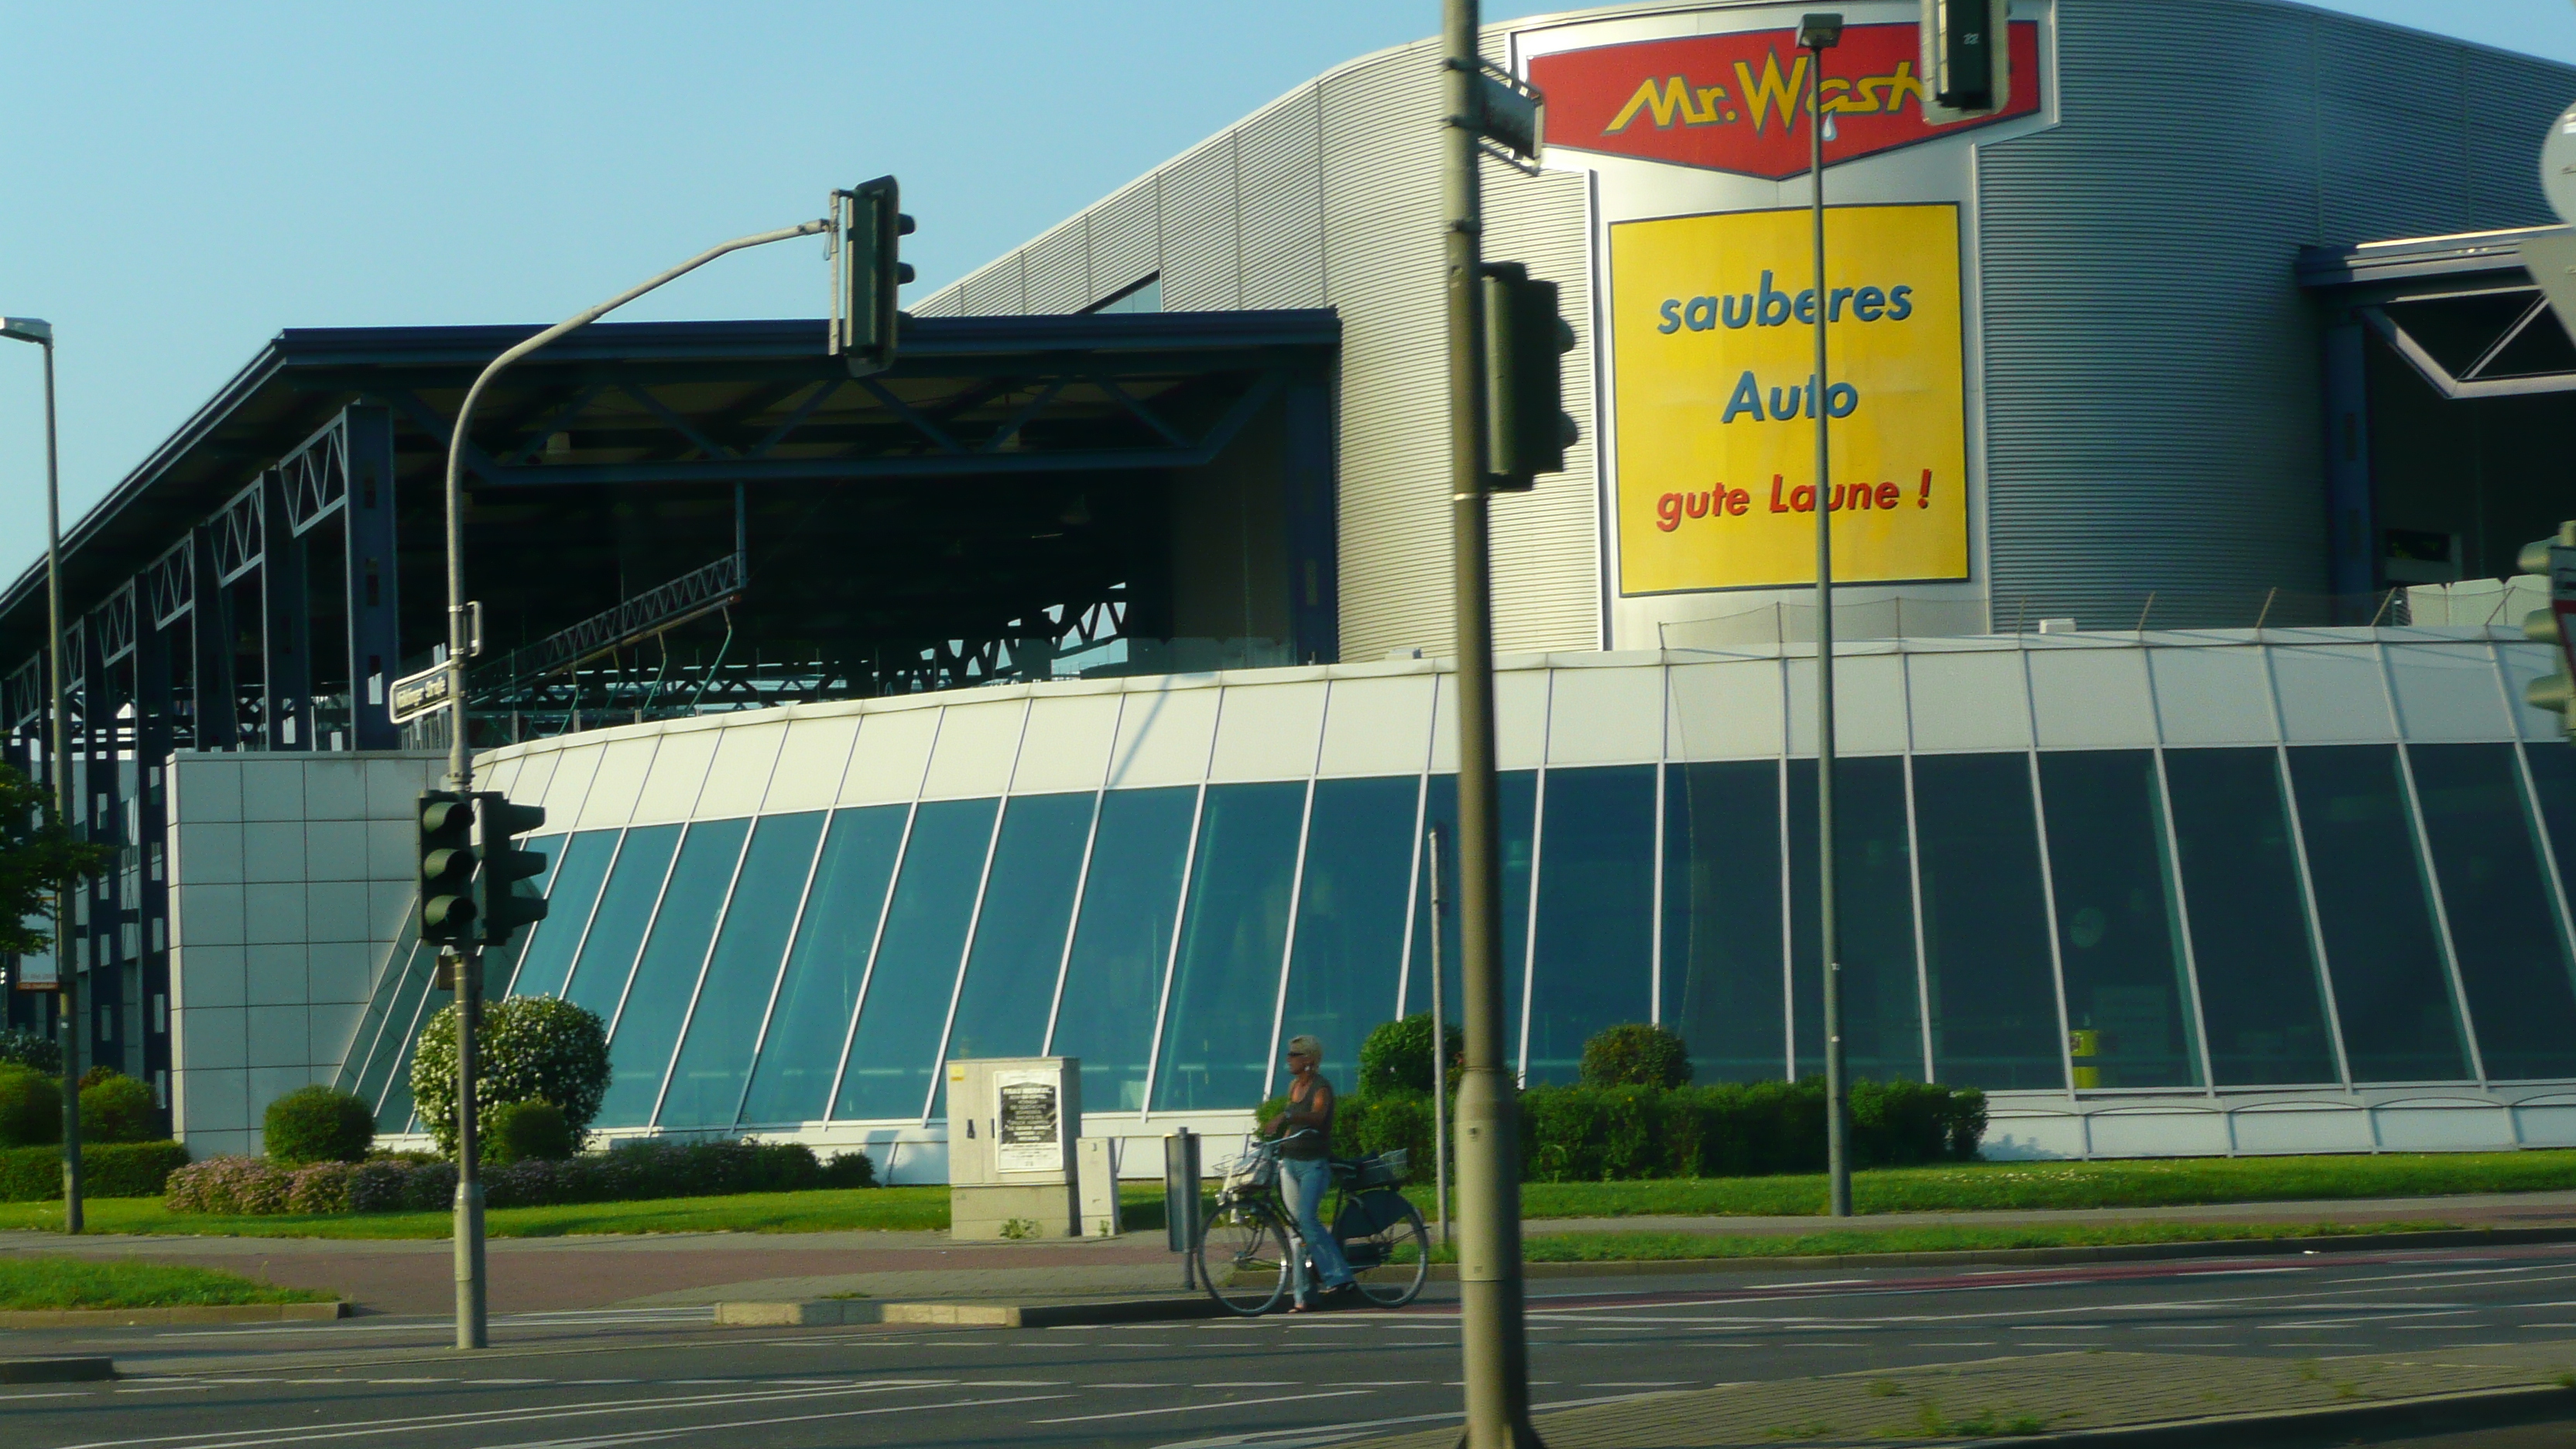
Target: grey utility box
[[1012, 1124]]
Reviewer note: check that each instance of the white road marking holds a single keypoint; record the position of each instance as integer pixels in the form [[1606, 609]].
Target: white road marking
[[1196, 1408]]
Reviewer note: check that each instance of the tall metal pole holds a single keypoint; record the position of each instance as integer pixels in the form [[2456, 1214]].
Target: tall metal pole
[[472, 1329], [1818, 38], [1494, 1339], [1439, 1045], [66, 970]]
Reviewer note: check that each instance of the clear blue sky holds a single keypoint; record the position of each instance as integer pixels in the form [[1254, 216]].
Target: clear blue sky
[[178, 182]]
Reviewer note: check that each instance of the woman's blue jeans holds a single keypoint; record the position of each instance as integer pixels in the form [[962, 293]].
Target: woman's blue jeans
[[1305, 1179]]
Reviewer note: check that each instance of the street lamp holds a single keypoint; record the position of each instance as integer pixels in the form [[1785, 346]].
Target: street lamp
[[40, 332], [1818, 33], [472, 1321]]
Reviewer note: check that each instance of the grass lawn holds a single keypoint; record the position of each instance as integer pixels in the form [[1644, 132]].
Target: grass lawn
[[1953, 1188], [41, 1282], [1969, 1186], [820, 1211], [1665, 1247]]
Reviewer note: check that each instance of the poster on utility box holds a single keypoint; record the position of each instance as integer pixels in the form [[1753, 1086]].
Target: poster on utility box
[[1714, 348]]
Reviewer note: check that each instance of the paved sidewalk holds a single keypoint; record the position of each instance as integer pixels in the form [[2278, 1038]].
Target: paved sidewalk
[[596, 1271], [2051, 1394]]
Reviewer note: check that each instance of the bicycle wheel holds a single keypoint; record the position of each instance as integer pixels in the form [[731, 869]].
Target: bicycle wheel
[[1389, 1250], [1242, 1255]]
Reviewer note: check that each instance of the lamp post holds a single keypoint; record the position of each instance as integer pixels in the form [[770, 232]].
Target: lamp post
[[40, 332], [1818, 33], [472, 1323]]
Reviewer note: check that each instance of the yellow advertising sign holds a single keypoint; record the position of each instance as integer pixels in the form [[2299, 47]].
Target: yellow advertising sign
[[1713, 336]]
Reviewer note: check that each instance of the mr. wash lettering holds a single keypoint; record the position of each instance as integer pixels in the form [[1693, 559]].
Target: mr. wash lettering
[[1771, 307]]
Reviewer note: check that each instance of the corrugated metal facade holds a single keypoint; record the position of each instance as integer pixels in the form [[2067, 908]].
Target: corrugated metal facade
[[1330, 196], [2152, 372], [2151, 375]]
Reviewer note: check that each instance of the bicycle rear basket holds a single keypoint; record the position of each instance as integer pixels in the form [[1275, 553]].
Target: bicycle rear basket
[[1386, 1169]]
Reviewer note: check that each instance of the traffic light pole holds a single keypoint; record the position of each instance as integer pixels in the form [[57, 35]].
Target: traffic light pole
[[1494, 1339], [1819, 33], [472, 1327]]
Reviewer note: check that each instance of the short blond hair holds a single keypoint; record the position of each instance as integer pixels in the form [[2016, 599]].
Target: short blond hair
[[1307, 1045]]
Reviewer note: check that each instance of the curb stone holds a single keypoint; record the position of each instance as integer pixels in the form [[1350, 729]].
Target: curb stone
[[65, 1370], [2104, 1253], [191, 1313], [964, 1314], [2444, 1413]]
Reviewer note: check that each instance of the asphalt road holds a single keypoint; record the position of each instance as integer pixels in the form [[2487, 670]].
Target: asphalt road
[[642, 1377]]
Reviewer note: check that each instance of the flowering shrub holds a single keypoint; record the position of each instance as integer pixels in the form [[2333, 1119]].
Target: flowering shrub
[[531, 1048], [228, 1185], [320, 1187]]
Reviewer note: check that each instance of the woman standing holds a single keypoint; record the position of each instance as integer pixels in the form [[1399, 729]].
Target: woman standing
[[1305, 1132]]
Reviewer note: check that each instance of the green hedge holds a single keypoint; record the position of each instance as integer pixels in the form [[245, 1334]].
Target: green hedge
[[1595, 1134], [108, 1169]]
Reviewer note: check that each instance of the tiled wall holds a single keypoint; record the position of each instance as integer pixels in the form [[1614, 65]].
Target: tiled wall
[[290, 874]]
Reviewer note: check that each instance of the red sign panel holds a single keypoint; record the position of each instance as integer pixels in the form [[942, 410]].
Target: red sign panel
[[1738, 102]]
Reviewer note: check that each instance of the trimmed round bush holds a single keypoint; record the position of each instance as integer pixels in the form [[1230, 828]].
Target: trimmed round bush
[[317, 1124], [1397, 1056], [533, 1131], [31, 1107], [31, 1049], [1636, 1054], [117, 1108], [533, 1048]]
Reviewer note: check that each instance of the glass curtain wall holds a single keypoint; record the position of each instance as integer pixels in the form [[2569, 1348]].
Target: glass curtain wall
[[2260, 991], [2503, 914], [2281, 902], [1874, 886], [2129, 1009], [2392, 987], [1991, 984], [1722, 979]]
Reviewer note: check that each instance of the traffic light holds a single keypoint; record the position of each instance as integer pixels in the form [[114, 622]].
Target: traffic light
[[869, 223], [2555, 556], [1526, 428], [447, 869], [502, 908]]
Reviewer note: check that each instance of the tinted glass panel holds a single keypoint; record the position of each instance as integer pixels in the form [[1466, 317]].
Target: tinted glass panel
[[1019, 936], [826, 966], [625, 912], [2127, 1002], [915, 975], [389, 1068], [2259, 992], [706, 1081], [1350, 913], [576, 873], [1722, 977], [1123, 941], [2504, 924], [1874, 880], [1594, 962], [666, 978], [372, 1046], [2374, 910], [501, 968], [1519, 811], [1985, 924], [1225, 978], [2553, 778]]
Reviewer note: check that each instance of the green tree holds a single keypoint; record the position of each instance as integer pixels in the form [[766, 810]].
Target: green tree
[[38, 856], [532, 1048]]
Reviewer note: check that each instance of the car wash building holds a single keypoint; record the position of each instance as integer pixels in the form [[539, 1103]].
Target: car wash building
[[2189, 803]]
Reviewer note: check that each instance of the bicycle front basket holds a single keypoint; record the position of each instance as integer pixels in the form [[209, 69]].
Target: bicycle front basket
[[1386, 1169], [1257, 1168]]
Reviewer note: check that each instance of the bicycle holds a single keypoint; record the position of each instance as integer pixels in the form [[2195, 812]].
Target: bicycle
[[1248, 1245]]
